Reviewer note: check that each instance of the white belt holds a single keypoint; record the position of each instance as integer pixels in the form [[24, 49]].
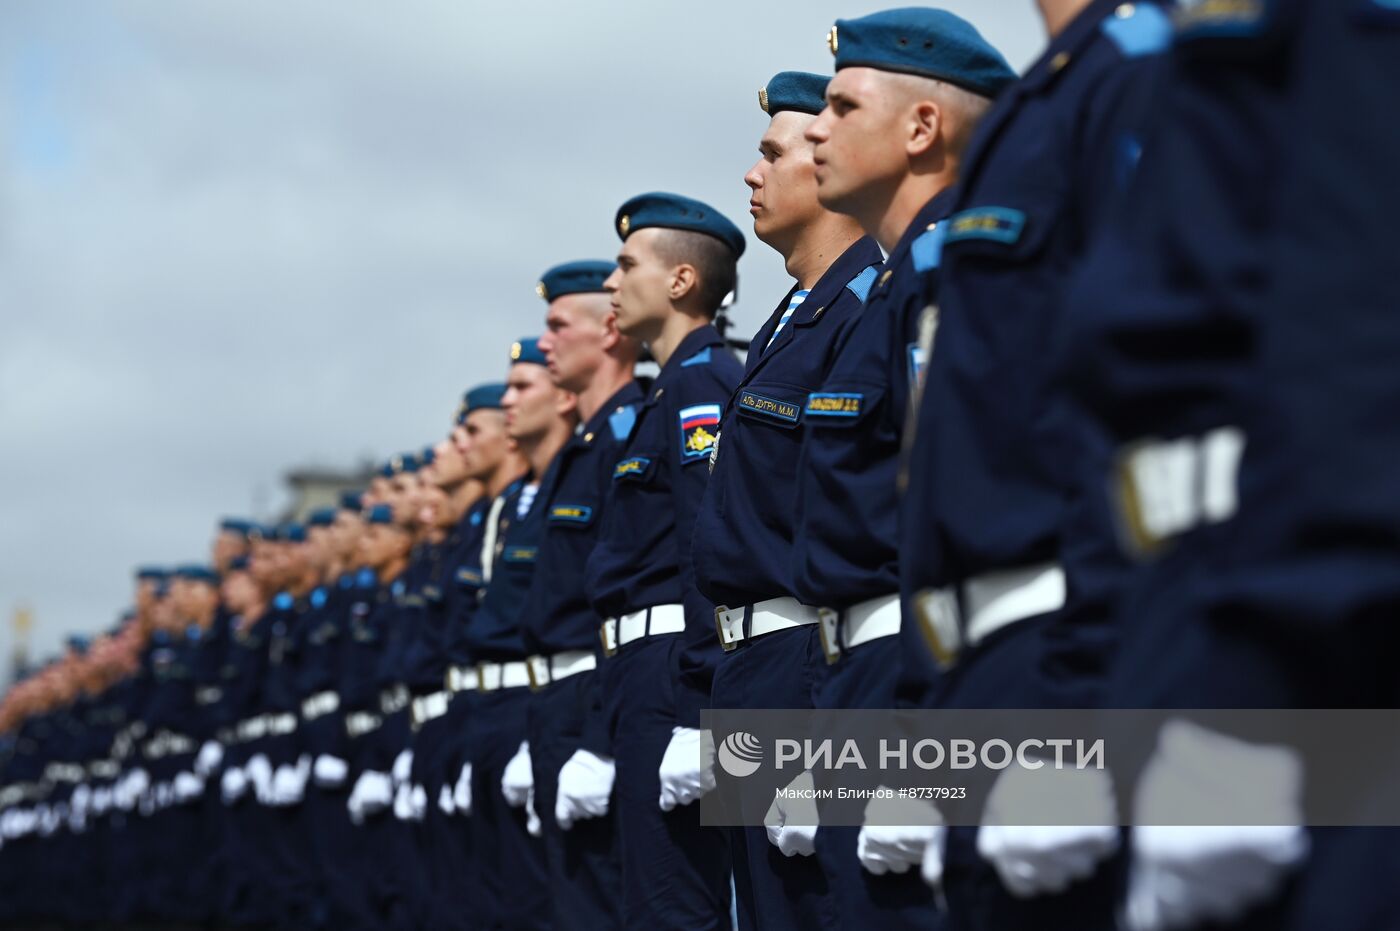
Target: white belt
[[279, 724], [766, 617], [463, 679], [103, 769], [320, 705], [208, 695], [870, 620], [546, 669], [64, 772], [252, 728], [648, 622], [166, 743], [962, 616], [430, 707], [359, 723], [495, 676]]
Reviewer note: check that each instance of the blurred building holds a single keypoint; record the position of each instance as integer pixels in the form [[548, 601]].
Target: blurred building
[[317, 487]]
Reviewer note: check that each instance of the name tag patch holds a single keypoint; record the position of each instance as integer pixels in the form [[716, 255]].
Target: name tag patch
[[772, 408], [571, 514], [1226, 18], [470, 578], [520, 554], [834, 404], [633, 467], [993, 224], [699, 425]]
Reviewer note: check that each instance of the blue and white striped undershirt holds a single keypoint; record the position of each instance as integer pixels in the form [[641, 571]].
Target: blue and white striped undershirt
[[796, 301]]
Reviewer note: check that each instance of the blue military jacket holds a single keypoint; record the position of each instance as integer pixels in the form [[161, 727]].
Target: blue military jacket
[[462, 590], [495, 633], [279, 689], [643, 554], [990, 466], [359, 655], [746, 529], [558, 615], [845, 548]]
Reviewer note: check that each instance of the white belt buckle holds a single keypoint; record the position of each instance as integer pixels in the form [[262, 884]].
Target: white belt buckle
[[829, 626], [537, 668], [608, 634], [725, 627], [938, 621]]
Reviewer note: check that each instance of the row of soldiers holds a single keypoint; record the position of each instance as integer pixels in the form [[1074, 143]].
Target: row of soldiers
[[1078, 400]]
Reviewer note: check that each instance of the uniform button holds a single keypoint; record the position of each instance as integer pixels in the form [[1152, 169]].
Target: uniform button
[[932, 227], [588, 438], [1125, 10], [659, 393], [886, 276], [1058, 62]]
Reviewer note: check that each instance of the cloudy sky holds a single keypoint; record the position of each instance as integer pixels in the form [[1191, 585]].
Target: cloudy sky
[[239, 237]]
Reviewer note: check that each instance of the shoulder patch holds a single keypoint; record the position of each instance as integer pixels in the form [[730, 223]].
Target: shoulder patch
[[700, 358], [283, 601], [476, 518], [836, 404], [918, 361], [772, 408], [318, 598], [994, 224], [1138, 29], [622, 420], [570, 514], [633, 465], [699, 424], [861, 284], [926, 252]]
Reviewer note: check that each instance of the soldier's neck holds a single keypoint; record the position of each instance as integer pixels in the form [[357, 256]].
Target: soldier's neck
[[393, 569], [677, 327], [511, 468], [1057, 14], [542, 452], [610, 378], [817, 246], [913, 195]]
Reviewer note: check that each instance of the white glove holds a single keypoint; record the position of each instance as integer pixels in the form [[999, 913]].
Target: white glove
[[532, 820], [792, 822], [1035, 859], [585, 787], [419, 799], [259, 772], [233, 785], [446, 804], [403, 767], [883, 847], [330, 772], [187, 787], [209, 758], [519, 778], [687, 767], [101, 800], [403, 802], [1187, 875], [373, 793], [80, 802], [288, 788], [462, 791]]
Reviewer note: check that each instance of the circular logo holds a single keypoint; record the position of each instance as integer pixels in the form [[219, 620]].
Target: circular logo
[[741, 754]]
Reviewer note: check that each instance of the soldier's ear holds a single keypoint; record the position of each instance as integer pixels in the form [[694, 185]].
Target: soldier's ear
[[566, 402], [925, 128], [684, 280]]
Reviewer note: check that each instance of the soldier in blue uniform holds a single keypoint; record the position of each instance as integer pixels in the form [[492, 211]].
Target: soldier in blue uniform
[[675, 269], [539, 418], [743, 540], [489, 458], [572, 784], [1233, 425], [932, 71], [992, 592]]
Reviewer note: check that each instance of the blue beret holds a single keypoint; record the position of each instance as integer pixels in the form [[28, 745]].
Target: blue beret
[[673, 211], [236, 525], [78, 643], [321, 517], [197, 574], [482, 397], [291, 533], [427, 456], [381, 514], [584, 277], [406, 462], [388, 469], [527, 350], [801, 91], [238, 564], [351, 500], [154, 573], [923, 41]]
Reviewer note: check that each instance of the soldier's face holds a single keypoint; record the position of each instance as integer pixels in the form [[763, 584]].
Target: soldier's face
[[486, 442], [448, 469], [783, 181], [575, 338], [228, 546], [859, 147], [530, 401], [641, 285]]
